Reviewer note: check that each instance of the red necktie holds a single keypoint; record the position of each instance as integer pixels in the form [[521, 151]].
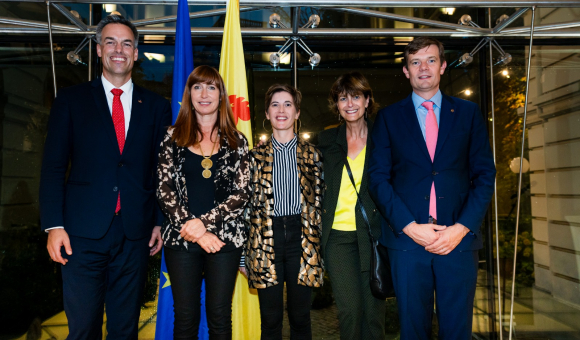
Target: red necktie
[[119, 122], [431, 132]]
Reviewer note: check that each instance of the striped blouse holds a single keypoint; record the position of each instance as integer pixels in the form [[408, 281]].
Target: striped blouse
[[286, 188]]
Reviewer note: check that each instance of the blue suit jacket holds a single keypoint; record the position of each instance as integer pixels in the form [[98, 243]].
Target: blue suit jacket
[[401, 171], [81, 133]]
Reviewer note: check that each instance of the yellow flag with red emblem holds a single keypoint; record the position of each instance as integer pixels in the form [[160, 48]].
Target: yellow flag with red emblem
[[245, 305], [233, 69]]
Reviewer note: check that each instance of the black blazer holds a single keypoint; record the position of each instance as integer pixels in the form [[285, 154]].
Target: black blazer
[[81, 133], [330, 142]]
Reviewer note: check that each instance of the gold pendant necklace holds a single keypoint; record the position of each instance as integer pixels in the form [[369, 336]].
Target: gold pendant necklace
[[206, 163]]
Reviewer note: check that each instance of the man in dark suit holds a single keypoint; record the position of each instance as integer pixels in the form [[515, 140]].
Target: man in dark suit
[[103, 220], [432, 176]]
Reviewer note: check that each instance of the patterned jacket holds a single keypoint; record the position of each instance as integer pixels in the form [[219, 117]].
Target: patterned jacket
[[231, 196], [260, 245]]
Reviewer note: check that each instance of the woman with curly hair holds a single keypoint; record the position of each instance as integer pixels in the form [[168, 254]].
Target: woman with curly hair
[[345, 240]]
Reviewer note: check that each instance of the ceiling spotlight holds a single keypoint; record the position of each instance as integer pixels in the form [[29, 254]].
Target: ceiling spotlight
[[448, 10], [74, 58], [314, 59], [465, 59], [306, 135], [75, 14], [465, 19], [263, 138], [468, 92], [504, 72], [274, 59], [314, 20], [501, 19], [504, 59], [110, 8], [274, 20]]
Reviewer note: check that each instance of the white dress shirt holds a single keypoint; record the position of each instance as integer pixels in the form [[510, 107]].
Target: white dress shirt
[[126, 101], [126, 98]]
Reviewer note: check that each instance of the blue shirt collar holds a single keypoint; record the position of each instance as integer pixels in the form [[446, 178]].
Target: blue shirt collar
[[418, 100]]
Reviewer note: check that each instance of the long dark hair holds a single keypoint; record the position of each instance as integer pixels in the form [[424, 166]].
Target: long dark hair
[[186, 128]]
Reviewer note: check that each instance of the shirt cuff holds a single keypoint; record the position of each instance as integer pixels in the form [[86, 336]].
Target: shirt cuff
[[57, 227], [401, 232]]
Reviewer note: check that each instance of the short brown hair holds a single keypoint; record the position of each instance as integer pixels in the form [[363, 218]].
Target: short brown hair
[[186, 127], [420, 43], [294, 92], [352, 83]]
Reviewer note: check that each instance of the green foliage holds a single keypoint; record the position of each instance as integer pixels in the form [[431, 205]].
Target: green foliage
[[509, 96], [525, 250]]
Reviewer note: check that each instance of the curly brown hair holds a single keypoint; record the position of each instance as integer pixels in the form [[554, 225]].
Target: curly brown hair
[[353, 83]]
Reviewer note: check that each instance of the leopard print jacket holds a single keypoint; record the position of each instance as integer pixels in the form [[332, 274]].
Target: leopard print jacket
[[231, 182], [260, 246]]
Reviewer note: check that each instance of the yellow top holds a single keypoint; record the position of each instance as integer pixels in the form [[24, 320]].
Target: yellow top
[[344, 216]]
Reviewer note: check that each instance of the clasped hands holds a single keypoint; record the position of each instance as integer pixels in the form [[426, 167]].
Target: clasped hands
[[437, 239], [194, 231]]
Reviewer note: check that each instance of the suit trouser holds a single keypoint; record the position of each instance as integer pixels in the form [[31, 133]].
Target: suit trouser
[[109, 272], [287, 254], [360, 314], [186, 271], [417, 274]]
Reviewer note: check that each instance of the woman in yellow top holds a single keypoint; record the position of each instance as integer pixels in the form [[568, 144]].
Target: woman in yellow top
[[346, 247]]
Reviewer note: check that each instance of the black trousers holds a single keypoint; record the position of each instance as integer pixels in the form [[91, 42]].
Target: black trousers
[[109, 271], [186, 270], [287, 254], [361, 316]]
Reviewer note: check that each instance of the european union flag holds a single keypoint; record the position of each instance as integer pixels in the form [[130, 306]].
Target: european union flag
[[183, 60], [182, 67]]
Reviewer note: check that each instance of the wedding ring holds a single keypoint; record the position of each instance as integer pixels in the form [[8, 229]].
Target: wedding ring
[[212, 249]]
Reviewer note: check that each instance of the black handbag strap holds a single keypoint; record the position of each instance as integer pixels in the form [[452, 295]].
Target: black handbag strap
[[359, 200]]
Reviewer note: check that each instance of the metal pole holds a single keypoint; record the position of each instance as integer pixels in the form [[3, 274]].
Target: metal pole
[[90, 62], [295, 20], [193, 15], [488, 222], [360, 3], [51, 47], [499, 294], [521, 166], [414, 20], [506, 23], [294, 64]]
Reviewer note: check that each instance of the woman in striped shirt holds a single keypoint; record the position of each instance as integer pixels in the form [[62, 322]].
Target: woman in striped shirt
[[285, 214]]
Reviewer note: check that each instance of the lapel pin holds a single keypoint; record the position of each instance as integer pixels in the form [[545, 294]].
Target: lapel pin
[[140, 102], [452, 110]]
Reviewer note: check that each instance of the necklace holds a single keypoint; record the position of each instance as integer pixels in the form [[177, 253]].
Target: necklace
[[206, 163]]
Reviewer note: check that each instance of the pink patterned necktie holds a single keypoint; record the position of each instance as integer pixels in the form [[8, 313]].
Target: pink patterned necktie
[[431, 132], [119, 122]]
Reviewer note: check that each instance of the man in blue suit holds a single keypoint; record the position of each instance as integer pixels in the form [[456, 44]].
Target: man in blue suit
[[103, 220], [432, 177]]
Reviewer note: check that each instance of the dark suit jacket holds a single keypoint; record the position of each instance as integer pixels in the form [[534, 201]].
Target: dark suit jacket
[[81, 133], [330, 142], [401, 171]]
